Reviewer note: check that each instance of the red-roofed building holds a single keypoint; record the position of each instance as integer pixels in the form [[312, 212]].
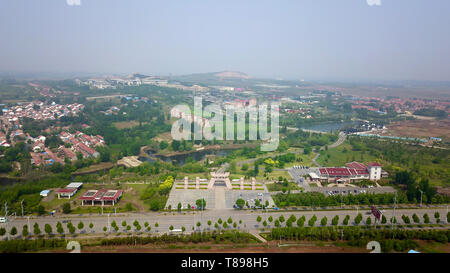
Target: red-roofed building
[[103, 197], [66, 192], [354, 171], [338, 172], [356, 165]]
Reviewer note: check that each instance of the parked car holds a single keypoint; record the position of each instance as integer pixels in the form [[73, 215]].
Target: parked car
[[2, 220]]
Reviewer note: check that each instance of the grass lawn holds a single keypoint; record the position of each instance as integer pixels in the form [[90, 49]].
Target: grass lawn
[[343, 154], [302, 159], [276, 174], [132, 193], [279, 186]]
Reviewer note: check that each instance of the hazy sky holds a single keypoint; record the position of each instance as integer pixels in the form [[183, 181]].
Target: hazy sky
[[310, 39]]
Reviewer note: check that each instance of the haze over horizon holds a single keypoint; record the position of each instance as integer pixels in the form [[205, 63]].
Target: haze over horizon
[[312, 40]]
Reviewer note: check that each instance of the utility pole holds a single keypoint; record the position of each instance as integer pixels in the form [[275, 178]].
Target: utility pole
[[393, 213], [7, 221], [421, 193], [21, 204], [446, 216]]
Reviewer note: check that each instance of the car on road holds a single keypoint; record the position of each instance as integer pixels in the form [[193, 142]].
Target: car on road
[[2, 220]]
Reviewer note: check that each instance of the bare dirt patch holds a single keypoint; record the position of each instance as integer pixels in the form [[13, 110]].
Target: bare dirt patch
[[420, 128], [272, 247], [127, 124]]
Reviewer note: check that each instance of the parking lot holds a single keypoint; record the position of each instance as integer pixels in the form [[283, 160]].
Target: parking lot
[[298, 172], [352, 190], [250, 197]]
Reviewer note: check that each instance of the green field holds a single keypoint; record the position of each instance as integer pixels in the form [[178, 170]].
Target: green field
[[342, 154], [279, 187]]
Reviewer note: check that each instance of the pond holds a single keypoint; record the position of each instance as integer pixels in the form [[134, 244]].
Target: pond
[[329, 126], [180, 159]]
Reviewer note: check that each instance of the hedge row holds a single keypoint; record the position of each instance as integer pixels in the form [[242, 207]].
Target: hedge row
[[353, 233], [197, 237]]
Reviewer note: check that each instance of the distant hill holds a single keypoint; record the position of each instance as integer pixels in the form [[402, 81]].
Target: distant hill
[[137, 75], [232, 74], [223, 77]]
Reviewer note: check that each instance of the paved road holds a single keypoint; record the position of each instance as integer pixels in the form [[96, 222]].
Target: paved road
[[339, 141], [223, 168], [189, 220], [315, 158]]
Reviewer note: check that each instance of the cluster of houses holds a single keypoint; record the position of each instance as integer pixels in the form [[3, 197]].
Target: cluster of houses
[[113, 110], [79, 143], [400, 105], [40, 111], [115, 82], [11, 118], [3, 141], [190, 118], [136, 80]]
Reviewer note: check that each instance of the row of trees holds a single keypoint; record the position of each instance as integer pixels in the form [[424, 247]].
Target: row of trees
[[47, 229], [318, 199], [356, 235], [300, 222]]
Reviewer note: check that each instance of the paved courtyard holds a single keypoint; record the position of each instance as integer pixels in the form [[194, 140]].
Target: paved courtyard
[[217, 198]]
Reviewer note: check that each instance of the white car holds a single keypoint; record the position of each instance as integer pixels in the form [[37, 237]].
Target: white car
[[2, 220]]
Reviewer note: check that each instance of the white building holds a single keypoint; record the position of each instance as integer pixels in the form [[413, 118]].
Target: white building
[[374, 171]]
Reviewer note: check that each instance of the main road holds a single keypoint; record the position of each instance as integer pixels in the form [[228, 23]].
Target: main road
[[190, 219]]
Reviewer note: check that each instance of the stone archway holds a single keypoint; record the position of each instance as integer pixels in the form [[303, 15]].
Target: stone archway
[[225, 177]]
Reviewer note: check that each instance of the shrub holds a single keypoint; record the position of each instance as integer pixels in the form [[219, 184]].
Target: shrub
[[335, 220], [66, 208]]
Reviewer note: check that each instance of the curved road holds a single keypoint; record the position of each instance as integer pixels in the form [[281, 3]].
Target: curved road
[[341, 139]]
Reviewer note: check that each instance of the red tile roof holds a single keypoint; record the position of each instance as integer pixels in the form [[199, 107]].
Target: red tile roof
[[356, 165], [338, 171], [66, 190]]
